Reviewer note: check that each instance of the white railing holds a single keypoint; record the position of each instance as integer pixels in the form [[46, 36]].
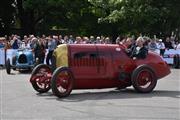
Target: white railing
[[169, 54]]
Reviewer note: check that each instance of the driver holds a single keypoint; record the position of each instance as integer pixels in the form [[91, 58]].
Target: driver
[[138, 51]]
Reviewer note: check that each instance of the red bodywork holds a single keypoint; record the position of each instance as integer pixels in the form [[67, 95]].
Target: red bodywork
[[99, 66]]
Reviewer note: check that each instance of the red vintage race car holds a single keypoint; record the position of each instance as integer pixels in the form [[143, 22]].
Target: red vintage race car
[[95, 66]]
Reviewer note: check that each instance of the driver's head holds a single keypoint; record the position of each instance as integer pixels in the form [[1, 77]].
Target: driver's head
[[140, 41]]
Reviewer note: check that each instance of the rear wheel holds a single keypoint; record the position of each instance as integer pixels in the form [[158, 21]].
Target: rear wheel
[[144, 79], [40, 78], [8, 66], [176, 61], [62, 82]]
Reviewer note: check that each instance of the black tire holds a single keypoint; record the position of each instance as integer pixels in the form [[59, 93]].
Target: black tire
[[8, 66], [66, 84], [14, 63], [37, 75], [176, 61], [139, 81]]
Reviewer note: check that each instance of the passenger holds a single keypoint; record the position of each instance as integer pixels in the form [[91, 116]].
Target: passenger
[[138, 51]]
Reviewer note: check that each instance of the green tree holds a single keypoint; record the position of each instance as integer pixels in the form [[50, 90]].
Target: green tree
[[140, 16], [75, 16], [6, 16], [30, 13]]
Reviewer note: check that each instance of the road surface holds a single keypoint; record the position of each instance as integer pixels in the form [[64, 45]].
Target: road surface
[[20, 102]]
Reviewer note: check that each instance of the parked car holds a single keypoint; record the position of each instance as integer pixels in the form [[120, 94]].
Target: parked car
[[22, 60], [95, 67]]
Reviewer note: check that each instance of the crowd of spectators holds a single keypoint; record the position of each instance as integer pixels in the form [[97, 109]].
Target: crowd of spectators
[[15, 41], [40, 44]]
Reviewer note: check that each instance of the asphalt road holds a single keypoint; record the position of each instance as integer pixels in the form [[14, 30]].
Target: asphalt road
[[20, 102]]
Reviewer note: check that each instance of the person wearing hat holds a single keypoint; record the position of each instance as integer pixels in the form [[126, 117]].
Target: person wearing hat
[[161, 47]]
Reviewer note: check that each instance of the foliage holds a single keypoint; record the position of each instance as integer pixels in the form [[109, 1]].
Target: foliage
[[85, 17], [140, 16], [75, 16], [6, 16]]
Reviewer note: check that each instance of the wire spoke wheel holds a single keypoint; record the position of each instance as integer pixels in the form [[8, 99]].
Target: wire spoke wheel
[[62, 82], [40, 78], [144, 79]]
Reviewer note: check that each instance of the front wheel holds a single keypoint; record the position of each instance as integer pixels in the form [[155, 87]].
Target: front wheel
[[8, 66], [40, 78], [144, 79], [62, 82]]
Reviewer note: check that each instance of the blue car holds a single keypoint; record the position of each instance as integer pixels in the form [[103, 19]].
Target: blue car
[[23, 60]]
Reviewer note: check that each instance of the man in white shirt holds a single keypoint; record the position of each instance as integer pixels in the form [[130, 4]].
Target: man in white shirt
[[161, 47]]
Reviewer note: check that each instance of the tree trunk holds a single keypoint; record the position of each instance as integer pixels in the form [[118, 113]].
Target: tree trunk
[[26, 19]]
